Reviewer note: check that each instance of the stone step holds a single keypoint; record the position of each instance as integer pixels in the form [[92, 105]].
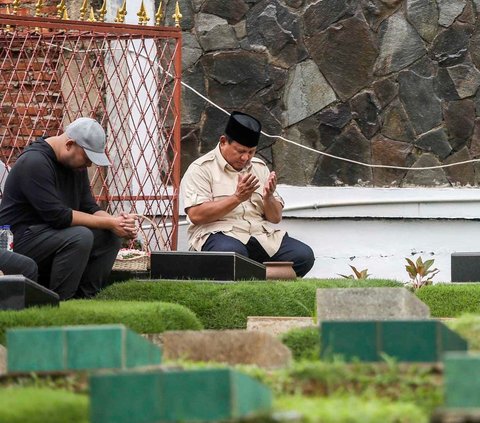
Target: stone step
[[150, 396], [404, 340], [78, 348]]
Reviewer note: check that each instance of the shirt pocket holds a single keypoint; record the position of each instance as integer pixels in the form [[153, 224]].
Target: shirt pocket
[[220, 190]]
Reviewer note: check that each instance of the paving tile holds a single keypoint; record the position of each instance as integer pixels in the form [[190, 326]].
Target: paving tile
[[35, 349], [94, 347], [140, 352], [462, 380]]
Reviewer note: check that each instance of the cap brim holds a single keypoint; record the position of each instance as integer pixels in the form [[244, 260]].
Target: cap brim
[[100, 159]]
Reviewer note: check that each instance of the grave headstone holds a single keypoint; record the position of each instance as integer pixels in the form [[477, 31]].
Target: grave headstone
[[18, 292], [226, 346], [3, 360], [404, 340], [369, 304], [213, 265], [462, 380], [159, 396], [465, 267], [78, 348]]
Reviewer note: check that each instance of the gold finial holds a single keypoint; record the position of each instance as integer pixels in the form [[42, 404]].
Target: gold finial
[[102, 11], [177, 15], [65, 16], [60, 9], [15, 4], [142, 15], [38, 8], [121, 13], [158, 15], [83, 10], [91, 16], [8, 28]]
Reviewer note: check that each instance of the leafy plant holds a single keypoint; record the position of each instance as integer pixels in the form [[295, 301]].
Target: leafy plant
[[357, 274], [420, 272]]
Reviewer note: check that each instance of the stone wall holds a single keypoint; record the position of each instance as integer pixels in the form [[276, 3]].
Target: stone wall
[[391, 82]]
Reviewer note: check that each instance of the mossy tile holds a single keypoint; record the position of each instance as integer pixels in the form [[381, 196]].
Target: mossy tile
[[35, 349], [349, 339], [140, 351], [95, 347], [462, 380], [410, 341], [126, 398]]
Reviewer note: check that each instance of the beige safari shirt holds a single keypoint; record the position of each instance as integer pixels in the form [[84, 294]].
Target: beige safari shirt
[[211, 178]]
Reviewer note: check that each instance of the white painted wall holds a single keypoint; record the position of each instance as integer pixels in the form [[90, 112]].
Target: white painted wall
[[431, 222]]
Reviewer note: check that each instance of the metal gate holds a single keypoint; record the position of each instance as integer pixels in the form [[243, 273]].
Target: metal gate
[[125, 76]]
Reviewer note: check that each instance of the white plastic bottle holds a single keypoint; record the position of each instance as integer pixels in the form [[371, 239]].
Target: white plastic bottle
[[9, 236]]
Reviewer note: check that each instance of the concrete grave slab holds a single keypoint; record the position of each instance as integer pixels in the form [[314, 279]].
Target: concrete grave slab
[[405, 340], [176, 396], [84, 347], [228, 346], [369, 304]]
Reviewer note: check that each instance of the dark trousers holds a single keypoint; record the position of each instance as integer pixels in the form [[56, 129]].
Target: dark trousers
[[73, 262], [15, 264], [290, 250]]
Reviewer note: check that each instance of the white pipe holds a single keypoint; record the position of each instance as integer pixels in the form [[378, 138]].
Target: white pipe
[[316, 206]]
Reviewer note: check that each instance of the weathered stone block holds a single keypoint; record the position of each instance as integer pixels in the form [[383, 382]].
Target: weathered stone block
[[368, 304], [196, 395], [228, 346]]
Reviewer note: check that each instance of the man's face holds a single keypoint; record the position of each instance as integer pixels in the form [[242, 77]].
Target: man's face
[[237, 155], [75, 157]]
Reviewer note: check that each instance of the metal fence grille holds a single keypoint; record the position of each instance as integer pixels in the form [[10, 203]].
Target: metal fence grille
[[125, 76]]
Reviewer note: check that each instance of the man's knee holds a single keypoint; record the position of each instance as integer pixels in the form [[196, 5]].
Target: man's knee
[[81, 238], [31, 269]]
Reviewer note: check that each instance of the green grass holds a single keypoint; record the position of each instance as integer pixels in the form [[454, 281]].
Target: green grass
[[303, 342], [468, 326], [451, 300], [227, 306], [40, 405], [142, 317], [348, 409]]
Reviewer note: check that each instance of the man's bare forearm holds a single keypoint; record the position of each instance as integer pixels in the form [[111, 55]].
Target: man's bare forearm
[[212, 211]]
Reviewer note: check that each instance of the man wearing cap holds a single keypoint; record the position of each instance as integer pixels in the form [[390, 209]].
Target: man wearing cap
[[230, 199], [54, 218]]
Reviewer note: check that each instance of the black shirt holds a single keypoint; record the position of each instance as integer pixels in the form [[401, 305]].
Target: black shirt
[[40, 190]]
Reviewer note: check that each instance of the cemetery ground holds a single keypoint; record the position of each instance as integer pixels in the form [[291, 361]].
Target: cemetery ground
[[309, 389]]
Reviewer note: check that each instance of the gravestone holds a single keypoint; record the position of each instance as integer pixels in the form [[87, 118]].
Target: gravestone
[[212, 265], [18, 292], [405, 340], [3, 360], [369, 304], [462, 380], [225, 346], [59, 348], [465, 267], [145, 396]]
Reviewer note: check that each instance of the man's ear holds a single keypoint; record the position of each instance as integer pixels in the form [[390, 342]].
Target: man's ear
[[69, 143], [223, 140]]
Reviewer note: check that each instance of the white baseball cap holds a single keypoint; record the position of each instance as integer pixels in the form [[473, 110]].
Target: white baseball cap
[[89, 135]]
